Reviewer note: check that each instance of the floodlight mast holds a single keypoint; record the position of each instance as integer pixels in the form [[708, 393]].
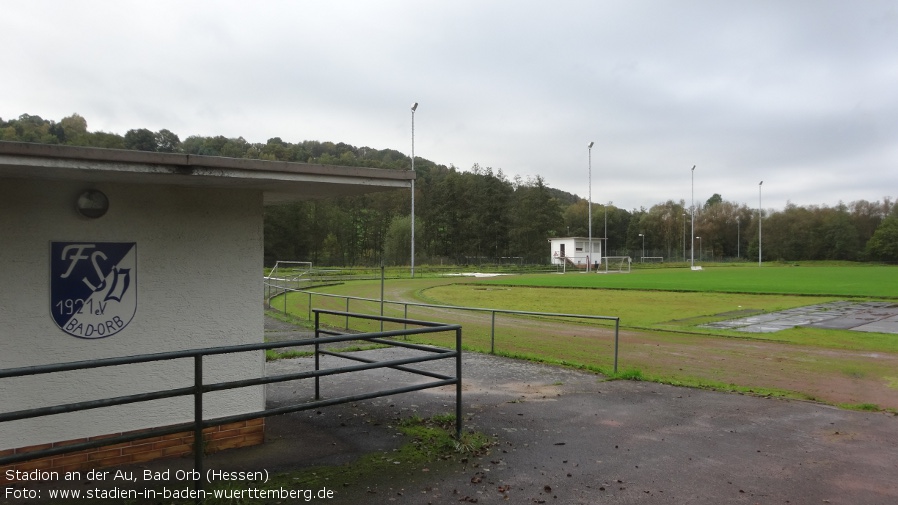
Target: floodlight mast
[[414, 106], [760, 216], [589, 261], [692, 211]]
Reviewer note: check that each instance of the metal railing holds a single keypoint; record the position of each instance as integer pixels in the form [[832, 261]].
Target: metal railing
[[281, 290], [199, 387]]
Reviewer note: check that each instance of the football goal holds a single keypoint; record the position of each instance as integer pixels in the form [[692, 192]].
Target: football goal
[[617, 264], [289, 274]]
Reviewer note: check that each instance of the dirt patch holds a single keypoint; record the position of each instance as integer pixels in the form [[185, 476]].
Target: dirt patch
[[820, 374]]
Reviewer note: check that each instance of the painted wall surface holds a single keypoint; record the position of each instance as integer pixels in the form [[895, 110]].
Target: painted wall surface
[[199, 254]]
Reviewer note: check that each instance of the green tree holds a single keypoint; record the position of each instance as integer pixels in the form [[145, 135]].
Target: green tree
[[286, 229], [576, 219], [106, 140], [36, 129], [839, 235], [445, 196], [866, 217], [536, 218], [74, 129], [714, 200], [883, 245], [167, 142], [397, 246], [140, 140]]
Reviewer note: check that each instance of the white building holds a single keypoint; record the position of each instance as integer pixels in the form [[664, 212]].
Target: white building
[[574, 252], [109, 253]]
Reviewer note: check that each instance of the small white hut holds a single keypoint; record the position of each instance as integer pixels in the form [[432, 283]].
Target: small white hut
[[575, 252]]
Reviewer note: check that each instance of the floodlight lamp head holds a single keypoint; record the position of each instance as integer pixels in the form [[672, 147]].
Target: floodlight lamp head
[[760, 183], [693, 168], [414, 106], [590, 145]]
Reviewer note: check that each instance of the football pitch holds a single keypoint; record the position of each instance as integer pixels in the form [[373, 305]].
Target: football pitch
[[851, 281], [663, 316]]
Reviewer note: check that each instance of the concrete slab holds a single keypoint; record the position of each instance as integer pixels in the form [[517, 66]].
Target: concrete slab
[[841, 323], [860, 316], [763, 328], [888, 325]]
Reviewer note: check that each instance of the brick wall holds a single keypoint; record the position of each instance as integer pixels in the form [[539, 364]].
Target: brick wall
[[217, 438]]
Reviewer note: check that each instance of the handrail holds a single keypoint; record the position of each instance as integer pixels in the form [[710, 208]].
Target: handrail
[[199, 387]]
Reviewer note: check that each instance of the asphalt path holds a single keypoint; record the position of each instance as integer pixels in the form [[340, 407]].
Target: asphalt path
[[569, 437]]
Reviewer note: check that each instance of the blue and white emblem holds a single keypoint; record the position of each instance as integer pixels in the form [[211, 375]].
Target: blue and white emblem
[[93, 287]]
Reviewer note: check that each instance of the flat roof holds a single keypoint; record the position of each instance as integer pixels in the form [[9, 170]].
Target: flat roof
[[279, 181]]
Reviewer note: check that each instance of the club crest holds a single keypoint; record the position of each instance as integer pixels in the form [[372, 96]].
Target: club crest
[[93, 287]]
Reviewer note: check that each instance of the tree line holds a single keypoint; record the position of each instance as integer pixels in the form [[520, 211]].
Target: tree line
[[482, 216]]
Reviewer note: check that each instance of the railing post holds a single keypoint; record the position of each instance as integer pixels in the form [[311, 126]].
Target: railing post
[[198, 419], [382, 296], [317, 356], [458, 414], [310, 307], [616, 333], [347, 313], [493, 334]]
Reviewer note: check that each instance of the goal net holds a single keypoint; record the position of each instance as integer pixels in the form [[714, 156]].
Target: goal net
[[617, 264], [289, 274]]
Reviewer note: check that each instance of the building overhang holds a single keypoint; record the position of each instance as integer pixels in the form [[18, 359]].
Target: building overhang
[[279, 181], [583, 239]]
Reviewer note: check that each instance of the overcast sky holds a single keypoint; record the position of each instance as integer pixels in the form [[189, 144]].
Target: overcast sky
[[800, 94]]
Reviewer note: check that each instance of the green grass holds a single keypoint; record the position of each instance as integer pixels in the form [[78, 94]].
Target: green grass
[[663, 311], [661, 335], [274, 354], [637, 309], [843, 281]]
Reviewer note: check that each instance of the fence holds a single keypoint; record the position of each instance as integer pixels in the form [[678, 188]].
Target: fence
[[199, 387], [279, 290]]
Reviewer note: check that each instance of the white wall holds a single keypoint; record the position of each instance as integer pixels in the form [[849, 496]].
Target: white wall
[[199, 254], [576, 250]]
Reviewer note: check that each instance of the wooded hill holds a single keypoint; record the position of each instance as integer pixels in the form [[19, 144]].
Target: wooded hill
[[479, 215]]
